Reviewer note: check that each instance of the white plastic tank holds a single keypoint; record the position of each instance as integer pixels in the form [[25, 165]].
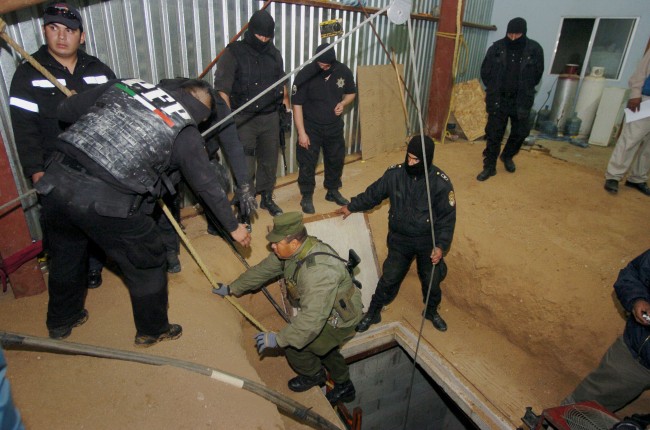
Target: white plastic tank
[[590, 93]]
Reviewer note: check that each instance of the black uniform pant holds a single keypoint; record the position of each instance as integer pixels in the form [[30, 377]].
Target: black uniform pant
[[496, 128], [330, 139], [133, 243], [260, 137], [401, 252]]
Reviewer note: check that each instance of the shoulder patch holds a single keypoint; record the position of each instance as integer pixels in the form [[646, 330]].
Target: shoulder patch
[[294, 89], [452, 198]]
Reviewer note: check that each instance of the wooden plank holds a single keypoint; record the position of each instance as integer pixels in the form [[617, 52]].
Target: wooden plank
[[383, 127], [343, 235]]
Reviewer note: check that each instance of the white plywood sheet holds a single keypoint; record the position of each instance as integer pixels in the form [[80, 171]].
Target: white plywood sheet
[[343, 235], [608, 116]]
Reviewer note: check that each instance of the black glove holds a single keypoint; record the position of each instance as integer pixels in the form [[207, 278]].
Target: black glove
[[246, 199]]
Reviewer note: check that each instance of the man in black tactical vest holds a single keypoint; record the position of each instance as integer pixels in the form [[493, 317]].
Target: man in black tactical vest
[[246, 69], [111, 165]]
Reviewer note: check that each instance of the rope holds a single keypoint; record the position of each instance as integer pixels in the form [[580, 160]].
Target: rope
[[285, 404]]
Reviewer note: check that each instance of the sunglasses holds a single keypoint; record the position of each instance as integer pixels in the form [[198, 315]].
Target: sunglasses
[[55, 11]]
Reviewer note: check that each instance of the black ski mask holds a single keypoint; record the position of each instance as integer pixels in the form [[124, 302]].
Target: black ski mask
[[328, 57], [415, 149], [260, 23]]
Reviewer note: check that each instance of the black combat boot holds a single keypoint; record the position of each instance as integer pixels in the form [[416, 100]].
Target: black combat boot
[[373, 316], [432, 315], [343, 392], [336, 197], [486, 173], [303, 382], [307, 204], [268, 204]]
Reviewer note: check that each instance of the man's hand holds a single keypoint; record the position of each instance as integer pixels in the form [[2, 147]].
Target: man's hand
[[436, 255], [640, 308], [37, 177], [265, 340], [223, 290], [338, 109], [241, 235], [247, 202], [344, 210], [633, 104], [303, 140]]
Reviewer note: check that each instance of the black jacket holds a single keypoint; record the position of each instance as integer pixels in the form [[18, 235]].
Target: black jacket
[[34, 100], [632, 284], [493, 71], [409, 209]]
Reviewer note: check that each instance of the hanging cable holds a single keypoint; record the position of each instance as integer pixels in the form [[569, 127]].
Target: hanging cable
[[428, 186]]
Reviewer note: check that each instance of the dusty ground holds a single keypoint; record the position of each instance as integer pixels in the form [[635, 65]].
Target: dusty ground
[[528, 300]]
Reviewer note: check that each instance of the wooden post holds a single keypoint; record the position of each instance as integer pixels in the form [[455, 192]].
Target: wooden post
[[441, 73], [28, 279]]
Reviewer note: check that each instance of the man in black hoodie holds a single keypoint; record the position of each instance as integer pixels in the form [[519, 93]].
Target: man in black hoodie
[[246, 69], [511, 69]]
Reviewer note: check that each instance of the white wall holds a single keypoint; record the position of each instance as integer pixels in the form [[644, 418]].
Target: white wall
[[544, 16]]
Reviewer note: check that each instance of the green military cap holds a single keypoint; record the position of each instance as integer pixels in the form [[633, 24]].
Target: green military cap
[[284, 225]]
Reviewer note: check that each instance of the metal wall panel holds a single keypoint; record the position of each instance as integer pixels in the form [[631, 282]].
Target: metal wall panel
[[139, 38]]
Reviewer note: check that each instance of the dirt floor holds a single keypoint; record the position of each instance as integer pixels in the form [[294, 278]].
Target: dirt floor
[[528, 299]]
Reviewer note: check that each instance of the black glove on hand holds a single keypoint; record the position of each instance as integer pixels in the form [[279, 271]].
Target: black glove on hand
[[247, 202]]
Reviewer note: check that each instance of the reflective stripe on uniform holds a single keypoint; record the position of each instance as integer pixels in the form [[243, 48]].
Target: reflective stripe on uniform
[[23, 104], [96, 80], [44, 83]]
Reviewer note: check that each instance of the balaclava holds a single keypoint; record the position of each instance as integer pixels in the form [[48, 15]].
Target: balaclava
[[517, 25], [260, 23], [415, 148], [328, 57]]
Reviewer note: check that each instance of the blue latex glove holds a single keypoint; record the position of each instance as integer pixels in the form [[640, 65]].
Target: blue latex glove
[[223, 290], [247, 202], [265, 340]]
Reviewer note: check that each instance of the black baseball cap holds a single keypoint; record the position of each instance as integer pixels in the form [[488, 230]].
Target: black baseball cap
[[62, 13]]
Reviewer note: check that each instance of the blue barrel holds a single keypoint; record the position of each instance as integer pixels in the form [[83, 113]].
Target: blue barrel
[[542, 115], [572, 125]]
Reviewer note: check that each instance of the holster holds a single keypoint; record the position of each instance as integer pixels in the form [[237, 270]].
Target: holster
[[84, 190]]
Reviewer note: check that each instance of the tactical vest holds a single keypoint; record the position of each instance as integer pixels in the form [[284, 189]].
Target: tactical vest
[[130, 132], [343, 306], [256, 72]]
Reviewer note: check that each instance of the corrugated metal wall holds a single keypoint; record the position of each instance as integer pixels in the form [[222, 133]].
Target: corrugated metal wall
[[139, 38]]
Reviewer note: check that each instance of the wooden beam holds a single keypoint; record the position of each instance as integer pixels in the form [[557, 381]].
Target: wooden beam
[[325, 4], [7, 6], [28, 279], [441, 73]]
